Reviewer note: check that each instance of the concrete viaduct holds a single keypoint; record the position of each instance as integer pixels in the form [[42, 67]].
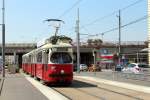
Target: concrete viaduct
[[18, 49], [130, 49]]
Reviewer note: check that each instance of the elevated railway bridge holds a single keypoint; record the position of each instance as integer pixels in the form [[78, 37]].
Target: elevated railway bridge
[[86, 51], [17, 49]]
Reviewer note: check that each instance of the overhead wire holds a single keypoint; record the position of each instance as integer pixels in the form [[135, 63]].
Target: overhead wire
[[116, 28], [104, 17], [99, 19], [109, 15], [125, 25], [68, 10], [135, 21], [134, 3]]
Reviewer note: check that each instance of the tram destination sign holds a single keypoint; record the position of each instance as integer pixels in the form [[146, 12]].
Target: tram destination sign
[[61, 49]]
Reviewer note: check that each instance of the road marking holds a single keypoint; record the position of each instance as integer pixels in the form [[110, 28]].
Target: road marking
[[134, 87], [1, 85], [47, 91]]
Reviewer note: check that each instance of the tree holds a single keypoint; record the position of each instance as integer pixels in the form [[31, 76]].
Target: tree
[[94, 42], [98, 42], [89, 41], [54, 39]]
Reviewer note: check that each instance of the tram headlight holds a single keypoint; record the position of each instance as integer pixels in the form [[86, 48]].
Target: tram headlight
[[62, 71], [53, 67]]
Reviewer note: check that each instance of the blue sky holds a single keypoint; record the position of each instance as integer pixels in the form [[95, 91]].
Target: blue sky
[[24, 19]]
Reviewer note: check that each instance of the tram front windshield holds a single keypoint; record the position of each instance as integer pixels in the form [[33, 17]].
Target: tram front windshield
[[61, 58]]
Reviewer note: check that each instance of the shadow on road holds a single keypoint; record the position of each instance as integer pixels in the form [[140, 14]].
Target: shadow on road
[[75, 84], [80, 84]]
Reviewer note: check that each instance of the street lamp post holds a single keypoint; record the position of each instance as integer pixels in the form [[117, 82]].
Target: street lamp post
[[148, 31], [119, 49], [78, 43], [3, 37]]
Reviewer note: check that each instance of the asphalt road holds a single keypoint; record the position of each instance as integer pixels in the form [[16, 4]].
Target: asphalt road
[[79, 90], [87, 90]]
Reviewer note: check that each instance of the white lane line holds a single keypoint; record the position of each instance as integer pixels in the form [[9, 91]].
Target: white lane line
[[47, 91], [134, 87]]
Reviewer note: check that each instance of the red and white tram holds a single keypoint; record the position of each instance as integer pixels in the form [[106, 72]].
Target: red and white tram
[[51, 62]]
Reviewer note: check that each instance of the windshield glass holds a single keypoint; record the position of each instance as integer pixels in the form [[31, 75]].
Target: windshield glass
[[143, 65], [61, 58], [131, 65]]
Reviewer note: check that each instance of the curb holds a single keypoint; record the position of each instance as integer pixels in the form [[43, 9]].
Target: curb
[[134, 87], [46, 91]]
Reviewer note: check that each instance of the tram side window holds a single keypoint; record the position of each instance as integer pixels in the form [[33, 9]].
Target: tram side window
[[39, 57], [29, 60], [26, 60]]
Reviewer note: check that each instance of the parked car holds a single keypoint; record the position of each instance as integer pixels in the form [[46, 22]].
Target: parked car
[[144, 67], [83, 67], [119, 67], [94, 68], [133, 68]]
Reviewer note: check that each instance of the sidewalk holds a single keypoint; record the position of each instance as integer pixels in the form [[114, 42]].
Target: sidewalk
[[119, 77], [115, 79], [16, 87]]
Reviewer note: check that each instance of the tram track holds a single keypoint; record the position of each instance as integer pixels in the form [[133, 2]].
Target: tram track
[[83, 89], [79, 90], [62, 94], [136, 98], [120, 90], [92, 92], [76, 94], [101, 98]]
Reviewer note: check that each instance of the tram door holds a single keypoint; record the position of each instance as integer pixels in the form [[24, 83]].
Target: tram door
[[45, 62]]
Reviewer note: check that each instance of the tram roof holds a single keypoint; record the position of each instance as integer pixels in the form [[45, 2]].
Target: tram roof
[[49, 45], [29, 53]]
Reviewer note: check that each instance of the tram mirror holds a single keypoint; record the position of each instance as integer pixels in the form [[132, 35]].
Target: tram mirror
[[46, 51], [54, 49]]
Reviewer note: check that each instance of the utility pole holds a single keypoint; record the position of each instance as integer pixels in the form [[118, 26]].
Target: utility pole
[[78, 43], [3, 36], [102, 34], [119, 48], [137, 54], [148, 12]]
